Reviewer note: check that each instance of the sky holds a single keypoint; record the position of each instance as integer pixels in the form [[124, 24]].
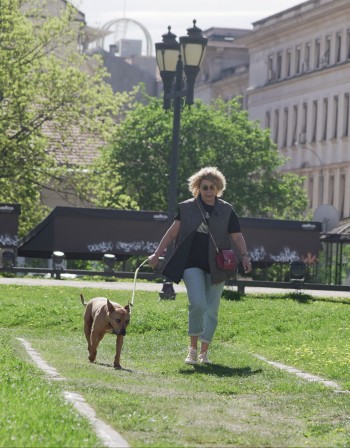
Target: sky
[[157, 15]]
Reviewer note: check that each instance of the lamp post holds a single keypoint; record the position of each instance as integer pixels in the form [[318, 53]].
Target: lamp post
[[302, 147], [179, 65], [320, 183]]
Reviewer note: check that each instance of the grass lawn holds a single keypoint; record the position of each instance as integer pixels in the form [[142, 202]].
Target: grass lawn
[[159, 401]]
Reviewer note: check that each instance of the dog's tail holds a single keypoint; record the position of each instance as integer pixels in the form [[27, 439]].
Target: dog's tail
[[82, 299]]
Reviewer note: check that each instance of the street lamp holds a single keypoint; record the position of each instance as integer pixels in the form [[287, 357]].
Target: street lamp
[[320, 183], [302, 147], [179, 65], [109, 262], [174, 61], [58, 258]]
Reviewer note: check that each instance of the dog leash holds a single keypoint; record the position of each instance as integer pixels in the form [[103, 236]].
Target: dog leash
[[134, 287]]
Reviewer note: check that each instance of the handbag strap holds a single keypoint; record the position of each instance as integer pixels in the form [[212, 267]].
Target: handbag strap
[[207, 224]]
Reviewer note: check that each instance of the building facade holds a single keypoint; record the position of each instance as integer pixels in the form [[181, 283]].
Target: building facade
[[225, 69], [294, 79], [299, 87]]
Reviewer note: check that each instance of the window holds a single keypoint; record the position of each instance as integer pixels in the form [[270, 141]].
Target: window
[[335, 116], [268, 120], [331, 190], [325, 119], [321, 187], [310, 189], [279, 66], [295, 125], [276, 126], [288, 63], [348, 44], [342, 193], [306, 66], [338, 48], [304, 120], [285, 127], [314, 121], [270, 74], [346, 115], [317, 53], [327, 52], [297, 60]]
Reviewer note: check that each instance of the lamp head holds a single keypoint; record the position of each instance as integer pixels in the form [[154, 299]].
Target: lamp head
[[58, 259], [167, 52], [297, 269], [192, 50], [193, 46], [109, 261], [167, 55]]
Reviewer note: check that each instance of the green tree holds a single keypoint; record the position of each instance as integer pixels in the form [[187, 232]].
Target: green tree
[[218, 135], [47, 105]]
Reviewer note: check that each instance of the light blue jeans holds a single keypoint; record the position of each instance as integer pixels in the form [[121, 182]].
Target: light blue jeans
[[204, 300]]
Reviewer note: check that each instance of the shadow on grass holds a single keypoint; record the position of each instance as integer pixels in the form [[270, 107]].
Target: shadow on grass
[[111, 366], [295, 295], [220, 370], [300, 297], [228, 294], [307, 298]]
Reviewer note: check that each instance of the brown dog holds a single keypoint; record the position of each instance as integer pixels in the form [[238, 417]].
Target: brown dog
[[101, 317]]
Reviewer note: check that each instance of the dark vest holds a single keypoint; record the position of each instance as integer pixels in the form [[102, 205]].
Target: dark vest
[[190, 220]]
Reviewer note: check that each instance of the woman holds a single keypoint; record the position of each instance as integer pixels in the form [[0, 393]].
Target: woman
[[194, 257]]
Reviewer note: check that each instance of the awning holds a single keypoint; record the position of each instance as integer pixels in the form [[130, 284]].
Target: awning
[[281, 241], [9, 215], [87, 234], [340, 234], [83, 233]]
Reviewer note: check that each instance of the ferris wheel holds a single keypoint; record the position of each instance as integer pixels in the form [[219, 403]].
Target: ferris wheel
[[124, 28]]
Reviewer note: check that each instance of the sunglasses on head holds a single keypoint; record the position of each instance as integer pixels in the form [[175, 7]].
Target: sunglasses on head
[[208, 187]]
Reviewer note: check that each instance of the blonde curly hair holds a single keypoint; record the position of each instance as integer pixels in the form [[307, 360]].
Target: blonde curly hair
[[210, 173]]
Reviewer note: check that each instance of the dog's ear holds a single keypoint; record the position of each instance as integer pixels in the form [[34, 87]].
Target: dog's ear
[[127, 308], [111, 308]]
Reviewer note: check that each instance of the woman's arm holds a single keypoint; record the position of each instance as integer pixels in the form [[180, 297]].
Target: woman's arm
[[167, 239], [239, 242]]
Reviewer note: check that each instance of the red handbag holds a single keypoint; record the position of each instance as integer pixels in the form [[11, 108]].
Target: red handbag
[[226, 260]]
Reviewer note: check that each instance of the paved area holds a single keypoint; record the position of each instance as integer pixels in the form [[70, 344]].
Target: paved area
[[126, 286], [149, 286]]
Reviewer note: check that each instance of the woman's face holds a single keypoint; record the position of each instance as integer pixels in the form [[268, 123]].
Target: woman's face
[[208, 191]]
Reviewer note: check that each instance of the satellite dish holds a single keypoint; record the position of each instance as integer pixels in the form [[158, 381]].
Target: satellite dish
[[328, 216]]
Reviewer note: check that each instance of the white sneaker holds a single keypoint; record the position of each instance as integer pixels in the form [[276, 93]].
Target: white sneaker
[[203, 358], [192, 356]]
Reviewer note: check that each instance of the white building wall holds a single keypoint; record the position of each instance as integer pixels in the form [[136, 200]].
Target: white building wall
[[300, 78]]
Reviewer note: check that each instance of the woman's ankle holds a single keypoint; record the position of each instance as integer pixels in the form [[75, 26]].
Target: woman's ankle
[[204, 347]]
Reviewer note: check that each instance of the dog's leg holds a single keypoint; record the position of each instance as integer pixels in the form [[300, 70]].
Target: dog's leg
[[119, 345], [88, 322], [95, 339], [87, 329]]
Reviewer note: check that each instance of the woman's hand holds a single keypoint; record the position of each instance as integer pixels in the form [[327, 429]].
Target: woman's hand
[[153, 260], [246, 264], [169, 236], [238, 241]]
